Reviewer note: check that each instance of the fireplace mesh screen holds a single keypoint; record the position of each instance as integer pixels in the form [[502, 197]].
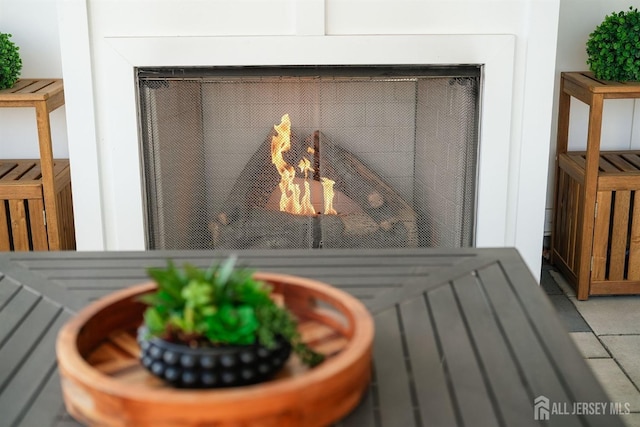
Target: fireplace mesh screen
[[385, 158]]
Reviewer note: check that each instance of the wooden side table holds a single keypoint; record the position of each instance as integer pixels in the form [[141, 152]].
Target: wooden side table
[[596, 230], [37, 211]]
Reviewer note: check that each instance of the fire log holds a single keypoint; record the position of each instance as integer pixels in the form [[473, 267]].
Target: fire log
[[248, 219], [359, 224], [257, 181], [263, 228], [388, 223], [359, 182], [375, 199]]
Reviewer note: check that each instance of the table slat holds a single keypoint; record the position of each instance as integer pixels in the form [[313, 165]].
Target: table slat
[[394, 395], [37, 367], [362, 415], [502, 372], [468, 385], [539, 375], [24, 339], [13, 312], [8, 289], [433, 394], [47, 403]]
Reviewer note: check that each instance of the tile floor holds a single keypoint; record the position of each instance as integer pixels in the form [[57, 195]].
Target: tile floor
[[607, 332]]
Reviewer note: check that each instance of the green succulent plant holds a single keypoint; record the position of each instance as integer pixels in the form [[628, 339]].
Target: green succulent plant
[[10, 62], [222, 305], [613, 48]]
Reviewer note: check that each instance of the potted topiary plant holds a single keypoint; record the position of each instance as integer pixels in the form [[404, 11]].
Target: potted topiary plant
[[10, 62], [216, 327], [613, 48]]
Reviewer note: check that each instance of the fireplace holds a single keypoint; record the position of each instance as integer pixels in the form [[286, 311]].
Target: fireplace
[[309, 157], [514, 42]]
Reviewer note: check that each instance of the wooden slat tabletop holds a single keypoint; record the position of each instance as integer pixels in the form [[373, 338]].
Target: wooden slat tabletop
[[463, 337], [27, 90], [587, 80]]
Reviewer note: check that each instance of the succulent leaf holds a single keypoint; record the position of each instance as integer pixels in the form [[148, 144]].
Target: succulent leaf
[[222, 304]]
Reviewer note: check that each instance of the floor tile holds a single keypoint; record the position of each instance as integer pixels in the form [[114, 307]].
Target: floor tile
[[615, 383], [589, 345], [611, 315], [569, 315], [562, 282], [625, 349], [612, 348], [547, 282]]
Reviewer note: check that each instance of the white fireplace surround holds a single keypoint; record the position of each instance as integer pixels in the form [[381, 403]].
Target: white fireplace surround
[[103, 41]]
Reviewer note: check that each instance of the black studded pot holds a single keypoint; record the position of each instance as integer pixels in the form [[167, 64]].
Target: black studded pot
[[223, 366]]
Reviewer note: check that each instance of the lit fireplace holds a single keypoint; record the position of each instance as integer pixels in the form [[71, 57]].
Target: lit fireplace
[[104, 44], [369, 157], [283, 210]]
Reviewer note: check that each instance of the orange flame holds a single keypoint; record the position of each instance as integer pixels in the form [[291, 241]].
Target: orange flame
[[305, 202], [327, 189], [292, 200]]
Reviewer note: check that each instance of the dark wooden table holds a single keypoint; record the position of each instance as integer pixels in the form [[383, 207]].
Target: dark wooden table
[[464, 337]]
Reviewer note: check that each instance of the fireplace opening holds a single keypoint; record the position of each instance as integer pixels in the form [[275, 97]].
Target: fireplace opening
[[309, 157]]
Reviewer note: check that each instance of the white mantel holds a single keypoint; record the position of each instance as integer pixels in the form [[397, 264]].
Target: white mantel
[[102, 41]]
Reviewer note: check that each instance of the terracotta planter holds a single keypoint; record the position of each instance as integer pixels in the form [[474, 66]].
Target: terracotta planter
[[104, 383]]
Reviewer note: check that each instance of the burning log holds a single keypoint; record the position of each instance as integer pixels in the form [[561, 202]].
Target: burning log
[[257, 181], [367, 189], [261, 228], [369, 212]]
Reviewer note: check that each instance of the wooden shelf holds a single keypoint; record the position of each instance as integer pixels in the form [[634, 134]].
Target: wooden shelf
[[17, 230], [596, 230]]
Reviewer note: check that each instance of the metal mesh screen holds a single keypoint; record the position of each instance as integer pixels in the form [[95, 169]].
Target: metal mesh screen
[[398, 150]]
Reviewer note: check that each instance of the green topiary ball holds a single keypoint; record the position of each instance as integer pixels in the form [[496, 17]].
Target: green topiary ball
[[614, 47], [10, 62]]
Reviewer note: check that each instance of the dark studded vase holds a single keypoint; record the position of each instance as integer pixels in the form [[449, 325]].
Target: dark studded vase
[[210, 367]]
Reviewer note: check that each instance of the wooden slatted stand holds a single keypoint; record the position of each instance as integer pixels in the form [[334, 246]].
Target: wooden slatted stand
[[596, 229], [36, 211]]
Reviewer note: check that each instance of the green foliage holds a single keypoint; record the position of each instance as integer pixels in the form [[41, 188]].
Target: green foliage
[[220, 305], [10, 62], [613, 48]]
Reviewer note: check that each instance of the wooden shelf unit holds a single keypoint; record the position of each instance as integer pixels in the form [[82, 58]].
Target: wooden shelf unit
[[36, 211], [596, 227]]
